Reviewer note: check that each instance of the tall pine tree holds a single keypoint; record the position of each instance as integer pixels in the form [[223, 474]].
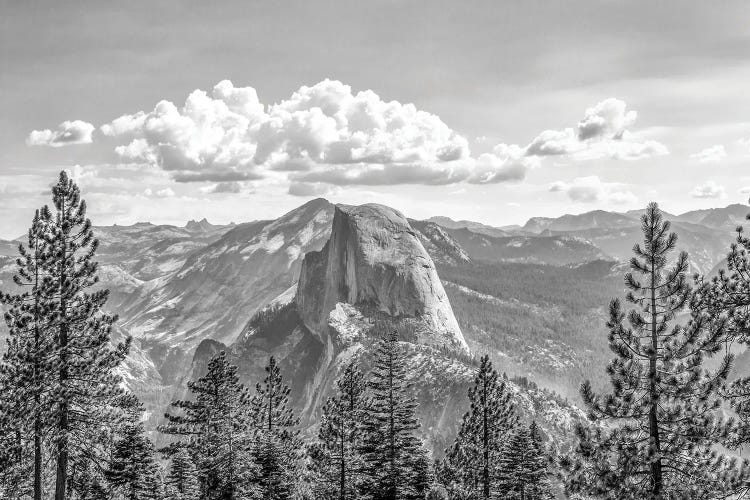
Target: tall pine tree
[[335, 457], [278, 448], [83, 359], [524, 466], [182, 481], [474, 457], [132, 469], [662, 406], [726, 298], [26, 362], [217, 425], [390, 447]]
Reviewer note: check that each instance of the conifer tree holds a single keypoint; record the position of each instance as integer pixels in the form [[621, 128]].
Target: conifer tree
[[726, 298], [390, 447], [663, 402], [83, 360], [132, 468], [278, 448], [335, 458], [14, 452], [182, 481], [474, 456], [26, 362], [218, 427], [524, 466], [88, 483]]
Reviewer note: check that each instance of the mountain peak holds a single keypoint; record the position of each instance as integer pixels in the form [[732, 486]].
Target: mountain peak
[[375, 261], [199, 226]]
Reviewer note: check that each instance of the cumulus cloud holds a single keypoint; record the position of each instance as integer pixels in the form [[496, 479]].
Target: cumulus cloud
[[714, 154], [321, 134], [307, 189], [160, 193], [67, 133], [593, 189], [223, 187], [505, 163], [603, 132], [709, 190]]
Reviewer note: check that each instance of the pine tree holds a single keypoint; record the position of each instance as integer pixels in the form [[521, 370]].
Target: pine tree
[[88, 482], [390, 447], [133, 469], [335, 458], [82, 356], [14, 453], [726, 299], [479, 444], [218, 426], [663, 403], [26, 362], [523, 466], [278, 448], [182, 480]]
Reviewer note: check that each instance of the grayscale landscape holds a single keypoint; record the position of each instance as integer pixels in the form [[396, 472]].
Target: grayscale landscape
[[375, 251]]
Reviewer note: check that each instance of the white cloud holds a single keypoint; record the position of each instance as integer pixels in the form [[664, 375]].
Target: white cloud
[[602, 133], [608, 119], [67, 133], [592, 189], [308, 189], [321, 134], [222, 187], [714, 154], [709, 190], [160, 193]]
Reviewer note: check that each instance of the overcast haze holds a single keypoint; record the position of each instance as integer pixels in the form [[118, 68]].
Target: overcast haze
[[491, 111]]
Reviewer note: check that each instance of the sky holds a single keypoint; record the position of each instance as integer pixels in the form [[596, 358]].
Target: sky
[[494, 111]]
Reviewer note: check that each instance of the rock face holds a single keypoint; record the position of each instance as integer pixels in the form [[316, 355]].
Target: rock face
[[220, 286], [376, 262]]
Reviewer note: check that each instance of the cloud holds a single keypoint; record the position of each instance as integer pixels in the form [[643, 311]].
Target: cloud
[[709, 190], [506, 163], [602, 133], [321, 134], [608, 119], [160, 193], [593, 189], [714, 154], [67, 133], [307, 189], [223, 187]]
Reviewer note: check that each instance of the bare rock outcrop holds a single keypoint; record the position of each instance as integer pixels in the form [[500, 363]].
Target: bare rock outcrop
[[375, 261]]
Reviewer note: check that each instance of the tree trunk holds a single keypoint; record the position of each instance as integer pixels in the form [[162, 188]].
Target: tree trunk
[[62, 445], [342, 479], [485, 443], [37, 457], [37, 384], [653, 423]]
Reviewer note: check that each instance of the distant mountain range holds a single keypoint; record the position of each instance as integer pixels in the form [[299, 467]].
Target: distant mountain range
[[704, 234]]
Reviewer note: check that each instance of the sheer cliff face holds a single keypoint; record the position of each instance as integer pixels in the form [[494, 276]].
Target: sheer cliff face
[[375, 262]]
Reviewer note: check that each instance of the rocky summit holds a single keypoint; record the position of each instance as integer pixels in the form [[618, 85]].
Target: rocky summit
[[375, 262]]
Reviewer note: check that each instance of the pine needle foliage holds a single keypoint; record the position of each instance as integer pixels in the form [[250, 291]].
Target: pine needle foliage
[[472, 462], [661, 423], [335, 458], [390, 447], [216, 429]]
